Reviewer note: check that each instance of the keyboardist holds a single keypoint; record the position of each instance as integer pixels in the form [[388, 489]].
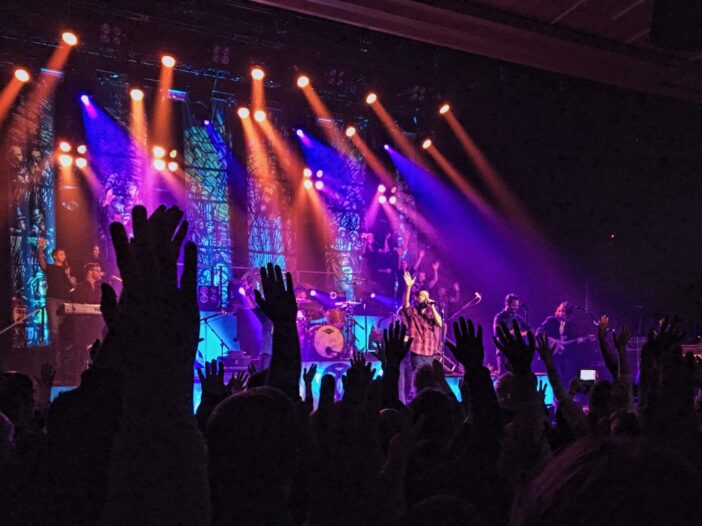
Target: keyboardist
[[88, 290]]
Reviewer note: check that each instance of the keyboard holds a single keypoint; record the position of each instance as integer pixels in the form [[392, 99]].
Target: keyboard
[[80, 308]]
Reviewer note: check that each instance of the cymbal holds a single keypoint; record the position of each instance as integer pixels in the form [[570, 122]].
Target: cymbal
[[346, 303], [303, 301]]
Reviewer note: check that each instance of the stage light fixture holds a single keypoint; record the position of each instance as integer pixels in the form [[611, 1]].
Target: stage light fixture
[[300, 133], [81, 162], [426, 144], [260, 115], [386, 147], [320, 173], [69, 38], [159, 152], [243, 113], [65, 146], [313, 293], [22, 75], [172, 166], [382, 199], [371, 98], [136, 94], [206, 122], [65, 160], [82, 149], [173, 154], [168, 61], [257, 73], [307, 172], [303, 81], [350, 131], [444, 109], [393, 190], [319, 185], [242, 291], [308, 184], [85, 100], [159, 164], [381, 188], [392, 200], [372, 296]]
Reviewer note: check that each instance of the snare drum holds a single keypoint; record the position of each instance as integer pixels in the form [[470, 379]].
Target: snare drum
[[328, 341]]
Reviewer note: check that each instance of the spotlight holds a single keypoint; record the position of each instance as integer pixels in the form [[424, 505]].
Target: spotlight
[[243, 113], [307, 184], [319, 185], [303, 81], [392, 200], [159, 164], [85, 100], [313, 293], [69, 38], [167, 61], [371, 98], [173, 154], [65, 160], [381, 188], [242, 291], [307, 172], [426, 144], [159, 152], [22, 75], [82, 149], [136, 94], [172, 166], [257, 73], [206, 122], [260, 115], [386, 147], [394, 190], [300, 133], [81, 162], [372, 295], [350, 131], [382, 199], [320, 173], [65, 146], [444, 109]]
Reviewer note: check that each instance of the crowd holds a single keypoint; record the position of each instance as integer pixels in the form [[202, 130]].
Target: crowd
[[124, 447]]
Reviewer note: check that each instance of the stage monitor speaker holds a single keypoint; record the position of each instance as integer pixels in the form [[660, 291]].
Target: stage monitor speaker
[[677, 24]]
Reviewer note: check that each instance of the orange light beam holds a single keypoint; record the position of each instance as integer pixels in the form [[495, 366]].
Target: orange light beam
[[332, 133], [458, 180], [405, 146], [291, 163], [372, 160], [8, 96], [508, 203], [258, 98], [161, 125]]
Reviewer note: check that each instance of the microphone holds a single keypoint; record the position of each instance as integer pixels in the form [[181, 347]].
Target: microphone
[[431, 302], [478, 295]]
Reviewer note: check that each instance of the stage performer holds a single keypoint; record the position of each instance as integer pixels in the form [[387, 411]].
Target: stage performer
[[59, 283], [423, 320], [88, 290], [508, 315]]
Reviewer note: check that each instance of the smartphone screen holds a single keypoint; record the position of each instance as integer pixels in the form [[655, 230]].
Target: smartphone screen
[[588, 374]]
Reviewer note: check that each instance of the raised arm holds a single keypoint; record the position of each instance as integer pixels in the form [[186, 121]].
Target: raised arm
[[278, 303], [435, 279], [420, 257], [409, 281]]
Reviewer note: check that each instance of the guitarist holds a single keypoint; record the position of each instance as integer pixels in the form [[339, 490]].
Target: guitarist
[[559, 330]]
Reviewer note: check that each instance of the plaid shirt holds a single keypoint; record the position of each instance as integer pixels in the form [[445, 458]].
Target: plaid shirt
[[420, 326]]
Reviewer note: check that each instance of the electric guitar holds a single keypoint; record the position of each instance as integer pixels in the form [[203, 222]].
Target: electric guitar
[[561, 344]]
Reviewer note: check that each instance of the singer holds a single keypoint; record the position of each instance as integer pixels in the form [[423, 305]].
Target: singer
[[422, 320], [59, 283]]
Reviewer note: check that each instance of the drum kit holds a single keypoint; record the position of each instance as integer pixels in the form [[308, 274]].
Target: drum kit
[[327, 332]]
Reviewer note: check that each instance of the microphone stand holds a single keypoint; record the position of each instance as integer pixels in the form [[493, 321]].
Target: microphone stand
[[475, 300]]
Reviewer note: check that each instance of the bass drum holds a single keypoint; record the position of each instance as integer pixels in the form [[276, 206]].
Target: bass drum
[[329, 342]]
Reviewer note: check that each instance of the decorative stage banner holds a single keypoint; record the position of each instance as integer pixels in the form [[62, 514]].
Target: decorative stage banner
[[32, 214]]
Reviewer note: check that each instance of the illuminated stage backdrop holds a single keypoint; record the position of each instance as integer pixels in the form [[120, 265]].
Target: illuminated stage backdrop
[[31, 212]]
